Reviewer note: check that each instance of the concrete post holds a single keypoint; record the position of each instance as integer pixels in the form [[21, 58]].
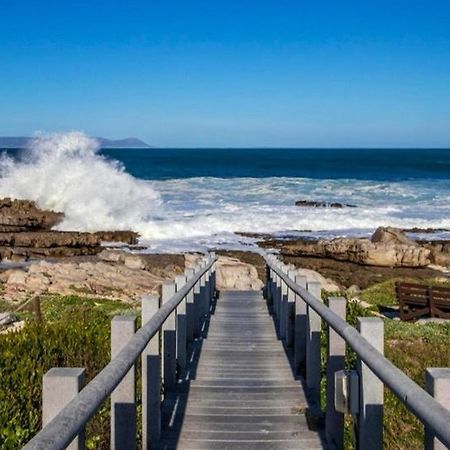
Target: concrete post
[[437, 381], [212, 286], [300, 327], [207, 299], [123, 398], [334, 420], [180, 281], [290, 315], [59, 387], [313, 346], [282, 321], [370, 417], [190, 308], [197, 303], [203, 296], [277, 297], [151, 379], [169, 341]]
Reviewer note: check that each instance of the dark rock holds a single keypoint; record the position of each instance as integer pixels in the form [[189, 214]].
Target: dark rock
[[22, 215], [25, 232], [315, 204]]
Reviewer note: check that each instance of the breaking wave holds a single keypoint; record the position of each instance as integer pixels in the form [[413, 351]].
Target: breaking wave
[[65, 172]]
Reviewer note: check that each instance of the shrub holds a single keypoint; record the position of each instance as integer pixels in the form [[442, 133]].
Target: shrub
[[75, 333]]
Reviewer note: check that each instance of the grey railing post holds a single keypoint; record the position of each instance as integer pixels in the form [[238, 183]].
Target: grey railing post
[[370, 417], [123, 398], [197, 307], [334, 420], [437, 381], [283, 306], [277, 296], [190, 311], [169, 341], [180, 281], [203, 297], [212, 279], [266, 291], [272, 284], [290, 315], [314, 325], [151, 379], [300, 326], [60, 386]]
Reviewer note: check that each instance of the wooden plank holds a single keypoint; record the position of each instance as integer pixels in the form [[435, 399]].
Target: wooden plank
[[241, 392]]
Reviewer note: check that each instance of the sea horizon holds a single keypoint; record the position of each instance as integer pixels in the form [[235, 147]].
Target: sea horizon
[[195, 199]]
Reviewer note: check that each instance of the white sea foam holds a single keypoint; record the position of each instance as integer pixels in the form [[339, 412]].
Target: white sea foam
[[65, 172]]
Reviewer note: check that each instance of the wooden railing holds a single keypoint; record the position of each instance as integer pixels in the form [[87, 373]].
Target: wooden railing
[[299, 310], [169, 325]]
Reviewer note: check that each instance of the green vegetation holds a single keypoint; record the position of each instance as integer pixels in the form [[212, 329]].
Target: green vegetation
[[75, 333], [383, 294], [412, 347]]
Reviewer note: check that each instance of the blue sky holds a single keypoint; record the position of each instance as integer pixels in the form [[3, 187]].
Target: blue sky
[[229, 73]]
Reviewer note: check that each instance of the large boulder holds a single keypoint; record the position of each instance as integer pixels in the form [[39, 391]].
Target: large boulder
[[439, 252], [391, 235], [387, 248], [233, 274]]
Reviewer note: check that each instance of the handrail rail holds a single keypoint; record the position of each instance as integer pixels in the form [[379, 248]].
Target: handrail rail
[[60, 432], [416, 400]]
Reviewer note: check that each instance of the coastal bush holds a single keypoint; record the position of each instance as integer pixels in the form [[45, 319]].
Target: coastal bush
[[75, 333]]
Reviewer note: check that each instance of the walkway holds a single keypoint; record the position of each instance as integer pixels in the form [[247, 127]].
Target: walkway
[[240, 392]]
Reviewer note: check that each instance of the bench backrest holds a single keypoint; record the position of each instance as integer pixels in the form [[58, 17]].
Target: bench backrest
[[419, 294]]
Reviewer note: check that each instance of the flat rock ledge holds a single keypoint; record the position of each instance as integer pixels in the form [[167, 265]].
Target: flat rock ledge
[[26, 233], [388, 247], [123, 276]]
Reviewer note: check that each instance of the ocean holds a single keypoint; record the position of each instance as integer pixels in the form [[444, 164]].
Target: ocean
[[194, 199]]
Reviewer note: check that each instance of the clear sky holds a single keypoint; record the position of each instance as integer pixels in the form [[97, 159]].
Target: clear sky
[[229, 73]]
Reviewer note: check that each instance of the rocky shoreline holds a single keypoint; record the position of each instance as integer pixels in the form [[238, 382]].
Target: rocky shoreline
[[65, 262], [388, 247], [26, 233]]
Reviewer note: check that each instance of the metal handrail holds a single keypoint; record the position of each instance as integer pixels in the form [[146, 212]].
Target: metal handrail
[[416, 400], [60, 432]]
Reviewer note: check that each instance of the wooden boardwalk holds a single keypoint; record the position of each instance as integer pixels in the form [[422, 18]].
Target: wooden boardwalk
[[239, 391]]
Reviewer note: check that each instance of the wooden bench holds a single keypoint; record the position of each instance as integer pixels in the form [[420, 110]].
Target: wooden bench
[[417, 300]]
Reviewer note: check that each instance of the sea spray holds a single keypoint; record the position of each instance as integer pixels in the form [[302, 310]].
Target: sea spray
[[65, 172]]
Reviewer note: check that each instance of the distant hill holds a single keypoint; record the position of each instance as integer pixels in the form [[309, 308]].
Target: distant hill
[[21, 141], [122, 143]]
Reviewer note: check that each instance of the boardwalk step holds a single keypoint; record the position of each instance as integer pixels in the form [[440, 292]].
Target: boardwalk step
[[241, 392], [294, 444]]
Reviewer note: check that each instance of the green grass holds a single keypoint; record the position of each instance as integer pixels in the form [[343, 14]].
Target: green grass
[[75, 333], [411, 347], [383, 294]]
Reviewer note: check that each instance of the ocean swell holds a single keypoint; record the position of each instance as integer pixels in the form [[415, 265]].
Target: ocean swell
[[67, 172]]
